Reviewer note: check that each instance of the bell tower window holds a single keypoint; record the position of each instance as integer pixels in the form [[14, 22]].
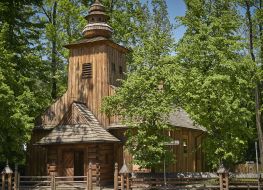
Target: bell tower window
[[87, 71]]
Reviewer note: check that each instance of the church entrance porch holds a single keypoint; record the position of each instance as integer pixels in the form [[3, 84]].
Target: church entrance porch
[[74, 160], [73, 163]]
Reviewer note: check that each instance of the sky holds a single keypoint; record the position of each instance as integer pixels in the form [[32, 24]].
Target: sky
[[176, 8]]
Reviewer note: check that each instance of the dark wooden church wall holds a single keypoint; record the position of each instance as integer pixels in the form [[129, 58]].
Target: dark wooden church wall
[[187, 158], [36, 160]]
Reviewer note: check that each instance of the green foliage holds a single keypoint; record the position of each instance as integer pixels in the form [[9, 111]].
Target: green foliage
[[22, 90], [63, 22], [144, 99], [219, 79]]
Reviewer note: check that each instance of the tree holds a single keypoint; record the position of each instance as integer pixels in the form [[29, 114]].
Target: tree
[[21, 76], [254, 23], [218, 78], [64, 21], [140, 101]]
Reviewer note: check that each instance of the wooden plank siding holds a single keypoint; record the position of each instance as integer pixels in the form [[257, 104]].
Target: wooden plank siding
[[190, 161], [36, 156], [93, 153], [90, 91]]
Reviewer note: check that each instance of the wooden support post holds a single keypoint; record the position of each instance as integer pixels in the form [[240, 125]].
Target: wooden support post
[[116, 176], [3, 181], [53, 181], [226, 181], [98, 175], [89, 180], [221, 181], [223, 178], [127, 182], [16, 178], [122, 181], [9, 181], [54, 174]]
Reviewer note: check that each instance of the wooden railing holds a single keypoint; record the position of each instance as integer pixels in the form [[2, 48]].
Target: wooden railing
[[128, 181], [52, 182], [196, 180]]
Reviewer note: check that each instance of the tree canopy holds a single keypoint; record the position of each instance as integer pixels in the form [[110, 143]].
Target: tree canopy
[[210, 72]]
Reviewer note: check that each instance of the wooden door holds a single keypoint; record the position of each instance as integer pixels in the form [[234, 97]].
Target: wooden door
[[68, 163]]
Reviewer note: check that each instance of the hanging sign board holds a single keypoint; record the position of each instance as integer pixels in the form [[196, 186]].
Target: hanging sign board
[[173, 143]]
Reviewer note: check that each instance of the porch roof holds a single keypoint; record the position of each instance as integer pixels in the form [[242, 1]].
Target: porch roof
[[180, 118], [177, 118], [80, 133]]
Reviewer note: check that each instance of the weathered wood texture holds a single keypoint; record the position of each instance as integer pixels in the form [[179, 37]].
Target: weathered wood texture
[[36, 156], [89, 90], [188, 154], [93, 153]]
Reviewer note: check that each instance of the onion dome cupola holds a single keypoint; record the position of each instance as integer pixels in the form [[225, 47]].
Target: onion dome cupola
[[97, 22]]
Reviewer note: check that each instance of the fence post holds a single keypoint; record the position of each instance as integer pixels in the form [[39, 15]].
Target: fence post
[[3, 181], [124, 171], [18, 180], [15, 178], [97, 174], [122, 181], [127, 182], [9, 181], [223, 178], [53, 181], [89, 177], [116, 176], [226, 181]]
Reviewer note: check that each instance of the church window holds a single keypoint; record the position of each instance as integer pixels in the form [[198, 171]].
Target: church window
[[120, 70], [113, 68], [185, 145], [86, 71]]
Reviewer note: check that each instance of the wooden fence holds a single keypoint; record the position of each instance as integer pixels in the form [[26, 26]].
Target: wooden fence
[[16, 182], [125, 180], [183, 181]]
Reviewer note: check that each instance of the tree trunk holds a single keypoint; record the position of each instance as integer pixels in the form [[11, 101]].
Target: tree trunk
[[54, 55], [257, 91], [261, 33]]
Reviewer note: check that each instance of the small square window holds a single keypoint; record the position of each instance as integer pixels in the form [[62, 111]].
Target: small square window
[[86, 71]]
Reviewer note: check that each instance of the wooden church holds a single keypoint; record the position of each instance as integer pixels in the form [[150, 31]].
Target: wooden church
[[73, 131]]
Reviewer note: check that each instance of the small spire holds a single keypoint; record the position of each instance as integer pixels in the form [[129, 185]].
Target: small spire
[[97, 22]]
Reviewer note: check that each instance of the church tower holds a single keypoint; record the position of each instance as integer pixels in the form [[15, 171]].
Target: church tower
[[95, 64]]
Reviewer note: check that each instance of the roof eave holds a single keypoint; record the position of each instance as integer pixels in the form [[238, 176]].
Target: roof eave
[[81, 142], [107, 41]]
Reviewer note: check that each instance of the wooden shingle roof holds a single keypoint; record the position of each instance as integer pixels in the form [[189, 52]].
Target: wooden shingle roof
[[179, 118], [80, 126], [68, 134]]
